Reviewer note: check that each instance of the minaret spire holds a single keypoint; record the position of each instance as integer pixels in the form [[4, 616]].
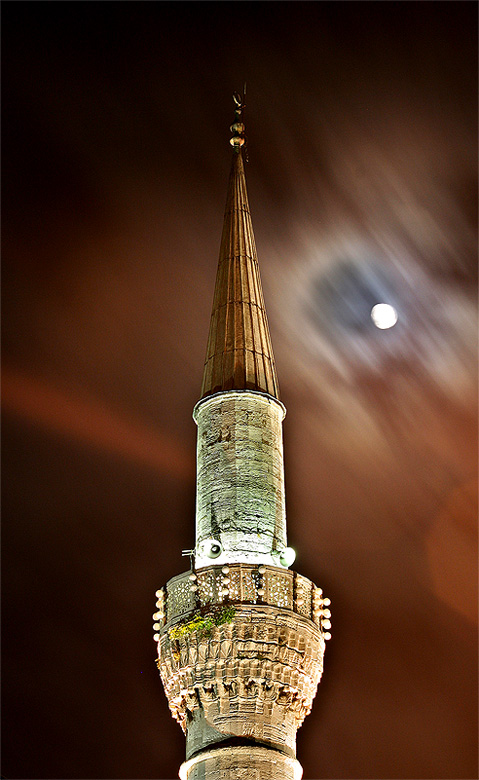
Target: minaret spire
[[239, 355]]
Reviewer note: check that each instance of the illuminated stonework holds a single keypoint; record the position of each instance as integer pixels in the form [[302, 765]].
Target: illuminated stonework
[[216, 586], [241, 763], [240, 477], [240, 637], [255, 676]]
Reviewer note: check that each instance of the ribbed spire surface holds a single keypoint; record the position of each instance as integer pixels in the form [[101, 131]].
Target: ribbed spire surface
[[239, 354]]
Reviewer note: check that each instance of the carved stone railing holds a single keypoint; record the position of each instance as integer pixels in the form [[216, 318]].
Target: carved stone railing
[[240, 583]]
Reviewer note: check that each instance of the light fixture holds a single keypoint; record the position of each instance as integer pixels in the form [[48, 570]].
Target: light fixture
[[211, 548], [287, 557]]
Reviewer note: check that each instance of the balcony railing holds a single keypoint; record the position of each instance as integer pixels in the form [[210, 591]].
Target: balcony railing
[[240, 583]]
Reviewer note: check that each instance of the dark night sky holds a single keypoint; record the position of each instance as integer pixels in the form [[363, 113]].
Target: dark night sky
[[362, 127]]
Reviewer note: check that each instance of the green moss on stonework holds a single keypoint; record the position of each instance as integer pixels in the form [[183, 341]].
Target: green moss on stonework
[[202, 623]]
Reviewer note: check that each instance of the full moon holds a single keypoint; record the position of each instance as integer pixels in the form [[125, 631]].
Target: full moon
[[384, 315]]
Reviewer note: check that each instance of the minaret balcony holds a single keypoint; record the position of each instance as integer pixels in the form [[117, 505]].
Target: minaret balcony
[[216, 586], [240, 653]]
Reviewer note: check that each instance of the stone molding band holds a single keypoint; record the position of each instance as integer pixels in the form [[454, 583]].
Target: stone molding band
[[233, 763], [242, 391]]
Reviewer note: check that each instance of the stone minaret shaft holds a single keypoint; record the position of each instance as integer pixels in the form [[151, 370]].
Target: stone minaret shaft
[[240, 637]]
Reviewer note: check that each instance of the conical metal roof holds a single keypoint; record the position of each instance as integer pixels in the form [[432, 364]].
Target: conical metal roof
[[239, 354]]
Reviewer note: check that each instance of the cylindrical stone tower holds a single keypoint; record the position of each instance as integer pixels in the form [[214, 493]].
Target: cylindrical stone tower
[[240, 637]]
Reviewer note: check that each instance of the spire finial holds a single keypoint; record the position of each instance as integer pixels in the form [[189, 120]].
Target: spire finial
[[238, 128], [239, 354]]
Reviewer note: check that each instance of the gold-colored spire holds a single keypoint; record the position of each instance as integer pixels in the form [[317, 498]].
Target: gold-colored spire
[[239, 354]]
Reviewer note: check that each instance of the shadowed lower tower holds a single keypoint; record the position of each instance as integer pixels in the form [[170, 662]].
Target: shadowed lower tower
[[240, 637]]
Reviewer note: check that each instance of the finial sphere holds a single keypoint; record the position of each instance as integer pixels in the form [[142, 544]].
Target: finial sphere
[[238, 129]]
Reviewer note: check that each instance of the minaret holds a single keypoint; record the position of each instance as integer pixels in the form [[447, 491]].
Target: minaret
[[240, 637]]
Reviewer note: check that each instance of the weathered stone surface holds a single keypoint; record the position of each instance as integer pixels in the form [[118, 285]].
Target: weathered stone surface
[[241, 763], [240, 478], [255, 677]]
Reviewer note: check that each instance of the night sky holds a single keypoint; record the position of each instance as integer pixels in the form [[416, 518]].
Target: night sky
[[362, 125]]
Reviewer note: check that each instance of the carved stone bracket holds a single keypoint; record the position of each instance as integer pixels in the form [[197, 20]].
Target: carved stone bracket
[[260, 673]]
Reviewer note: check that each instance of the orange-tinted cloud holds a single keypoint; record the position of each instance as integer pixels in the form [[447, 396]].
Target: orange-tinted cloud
[[452, 551], [90, 421]]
